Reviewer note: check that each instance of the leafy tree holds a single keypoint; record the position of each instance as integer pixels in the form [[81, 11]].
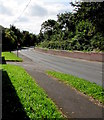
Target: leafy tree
[[26, 38], [33, 40], [48, 26], [12, 36], [97, 42], [8, 39], [84, 32], [17, 33], [66, 21], [93, 11]]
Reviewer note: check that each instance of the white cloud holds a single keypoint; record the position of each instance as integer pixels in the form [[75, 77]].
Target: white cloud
[[37, 10], [11, 11], [23, 19], [5, 10]]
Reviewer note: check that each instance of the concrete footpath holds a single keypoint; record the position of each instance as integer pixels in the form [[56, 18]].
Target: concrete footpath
[[69, 101]]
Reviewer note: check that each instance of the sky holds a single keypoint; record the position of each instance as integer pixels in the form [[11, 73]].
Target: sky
[[13, 12]]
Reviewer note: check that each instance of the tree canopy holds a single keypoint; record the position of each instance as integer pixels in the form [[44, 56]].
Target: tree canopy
[[79, 30], [12, 38]]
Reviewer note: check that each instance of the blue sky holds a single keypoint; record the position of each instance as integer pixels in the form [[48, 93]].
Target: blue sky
[[36, 13]]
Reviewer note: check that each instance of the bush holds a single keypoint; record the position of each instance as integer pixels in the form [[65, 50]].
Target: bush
[[85, 28], [97, 42], [84, 32]]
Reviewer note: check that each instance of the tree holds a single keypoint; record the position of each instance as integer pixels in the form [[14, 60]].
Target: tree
[[26, 38], [48, 26], [8, 39], [33, 40], [66, 21], [17, 33], [93, 11], [47, 29]]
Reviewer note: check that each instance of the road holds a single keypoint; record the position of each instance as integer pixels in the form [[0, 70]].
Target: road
[[91, 71]]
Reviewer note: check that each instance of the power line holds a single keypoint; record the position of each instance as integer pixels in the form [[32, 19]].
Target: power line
[[22, 12]]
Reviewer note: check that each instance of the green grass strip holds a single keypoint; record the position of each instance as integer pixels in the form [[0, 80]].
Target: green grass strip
[[33, 98], [86, 87], [9, 56]]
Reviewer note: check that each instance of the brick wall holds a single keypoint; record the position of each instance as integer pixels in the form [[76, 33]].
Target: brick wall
[[92, 56]]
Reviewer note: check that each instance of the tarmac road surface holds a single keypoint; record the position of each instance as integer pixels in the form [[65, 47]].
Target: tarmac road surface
[[88, 70]]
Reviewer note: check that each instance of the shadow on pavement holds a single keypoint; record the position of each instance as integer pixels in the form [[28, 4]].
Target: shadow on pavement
[[12, 109], [3, 60]]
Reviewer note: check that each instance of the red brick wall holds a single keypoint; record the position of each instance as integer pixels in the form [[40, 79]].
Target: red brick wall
[[92, 56]]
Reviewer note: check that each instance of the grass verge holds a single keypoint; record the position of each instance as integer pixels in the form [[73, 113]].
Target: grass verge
[[86, 87], [33, 98], [9, 56]]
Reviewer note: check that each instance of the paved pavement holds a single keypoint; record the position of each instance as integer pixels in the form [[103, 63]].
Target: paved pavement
[[70, 102], [91, 71]]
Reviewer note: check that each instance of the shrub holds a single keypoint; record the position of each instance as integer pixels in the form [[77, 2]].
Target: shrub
[[97, 42]]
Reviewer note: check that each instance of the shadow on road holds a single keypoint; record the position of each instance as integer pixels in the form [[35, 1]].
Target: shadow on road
[[11, 107]]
